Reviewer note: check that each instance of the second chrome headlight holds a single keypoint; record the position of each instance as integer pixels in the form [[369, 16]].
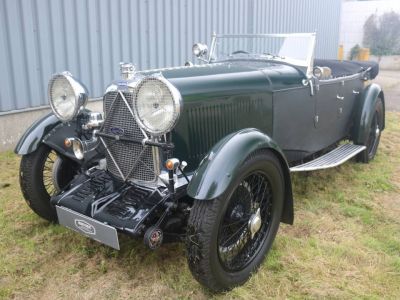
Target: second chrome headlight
[[157, 105], [66, 96]]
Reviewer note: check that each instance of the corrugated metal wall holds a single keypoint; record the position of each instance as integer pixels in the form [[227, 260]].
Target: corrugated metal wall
[[90, 37]]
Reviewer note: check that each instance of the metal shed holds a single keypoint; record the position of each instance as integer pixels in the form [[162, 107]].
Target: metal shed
[[90, 37]]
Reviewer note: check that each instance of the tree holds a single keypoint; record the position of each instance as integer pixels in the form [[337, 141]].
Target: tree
[[382, 35]]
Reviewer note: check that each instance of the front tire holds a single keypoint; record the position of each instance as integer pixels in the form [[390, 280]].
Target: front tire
[[43, 173], [374, 134], [223, 246]]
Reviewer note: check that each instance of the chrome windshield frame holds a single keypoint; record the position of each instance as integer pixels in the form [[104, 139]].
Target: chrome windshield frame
[[309, 62]]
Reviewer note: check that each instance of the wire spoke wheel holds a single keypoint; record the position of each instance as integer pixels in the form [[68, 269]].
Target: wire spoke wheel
[[43, 174], [374, 133], [49, 167], [229, 236], [246, 222]]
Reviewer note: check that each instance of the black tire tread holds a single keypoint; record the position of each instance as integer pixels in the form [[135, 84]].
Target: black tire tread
[[199, 235], [363, 157], [35, 194]]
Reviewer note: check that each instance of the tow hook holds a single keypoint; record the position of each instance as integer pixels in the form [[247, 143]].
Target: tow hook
[[153, 237]]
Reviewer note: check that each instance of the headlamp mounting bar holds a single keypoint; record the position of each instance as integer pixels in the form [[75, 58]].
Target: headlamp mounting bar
[[164, 146]]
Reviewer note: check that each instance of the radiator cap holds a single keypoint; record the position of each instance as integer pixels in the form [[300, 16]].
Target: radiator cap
[[127, 70]]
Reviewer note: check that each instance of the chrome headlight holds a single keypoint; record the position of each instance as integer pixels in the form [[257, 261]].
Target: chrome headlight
[[157, 105], [80, 148], [77, 148], [66, 96]]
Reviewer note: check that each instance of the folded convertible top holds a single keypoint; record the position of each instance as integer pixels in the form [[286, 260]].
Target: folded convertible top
[[348, 67]]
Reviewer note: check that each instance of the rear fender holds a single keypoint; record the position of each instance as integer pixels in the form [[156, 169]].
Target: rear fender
[[219, 167], [365, 111]]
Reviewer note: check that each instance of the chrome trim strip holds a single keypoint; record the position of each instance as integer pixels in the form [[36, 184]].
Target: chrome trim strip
[[177, 68], [133, 115], [340, 79], [310, 59], [126, 103], [109, 110], [212, 48], [331, 159], [113, 159], [137, 159]]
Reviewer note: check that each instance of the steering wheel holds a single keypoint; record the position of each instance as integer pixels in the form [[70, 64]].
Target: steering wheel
[[240, 52]]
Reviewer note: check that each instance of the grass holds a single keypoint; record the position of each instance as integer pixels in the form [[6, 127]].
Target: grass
[[345, 243]]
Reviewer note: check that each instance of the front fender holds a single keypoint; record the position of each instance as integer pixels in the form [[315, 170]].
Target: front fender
[[35, 134], [48, 130], [219, 167], [365, 111]]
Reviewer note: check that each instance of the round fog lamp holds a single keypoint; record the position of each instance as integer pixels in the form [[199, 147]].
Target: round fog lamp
[[68, 142], [77, 147]]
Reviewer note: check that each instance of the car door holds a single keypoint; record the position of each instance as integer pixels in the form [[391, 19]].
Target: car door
[[335, 101], [350, 92], [328, 97], [293, 122]]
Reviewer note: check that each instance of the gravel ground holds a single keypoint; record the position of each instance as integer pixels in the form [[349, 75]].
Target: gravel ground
[[390, 82]]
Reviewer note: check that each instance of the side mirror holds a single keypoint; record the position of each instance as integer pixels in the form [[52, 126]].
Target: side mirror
[[200, 51]]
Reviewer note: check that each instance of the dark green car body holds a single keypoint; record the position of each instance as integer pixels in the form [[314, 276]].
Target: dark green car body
[[243, 106], [201, 153], [224, 98], [220, 99]]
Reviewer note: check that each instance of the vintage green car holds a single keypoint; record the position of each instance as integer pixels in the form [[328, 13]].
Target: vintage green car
[[201, 153]]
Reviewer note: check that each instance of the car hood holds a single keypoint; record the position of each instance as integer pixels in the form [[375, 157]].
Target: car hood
[[231, 77]]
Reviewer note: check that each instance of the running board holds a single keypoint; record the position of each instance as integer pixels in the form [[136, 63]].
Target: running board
[[331, 159]]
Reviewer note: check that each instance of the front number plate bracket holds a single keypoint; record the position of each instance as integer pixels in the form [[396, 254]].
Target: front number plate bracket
[[89, 227]]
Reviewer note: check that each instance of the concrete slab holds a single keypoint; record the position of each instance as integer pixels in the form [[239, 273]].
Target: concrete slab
[[13, 125], [389, 80]]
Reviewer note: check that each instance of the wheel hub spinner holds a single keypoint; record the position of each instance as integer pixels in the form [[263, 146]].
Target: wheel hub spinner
[[255, 223]]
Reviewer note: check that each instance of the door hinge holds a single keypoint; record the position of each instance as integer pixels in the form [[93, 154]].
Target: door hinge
[[339, 97]]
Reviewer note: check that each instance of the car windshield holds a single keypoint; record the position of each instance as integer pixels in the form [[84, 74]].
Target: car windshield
[[294, 48]]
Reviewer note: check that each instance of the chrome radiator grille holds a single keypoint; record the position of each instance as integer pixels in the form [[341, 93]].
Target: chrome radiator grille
[[135, 161]]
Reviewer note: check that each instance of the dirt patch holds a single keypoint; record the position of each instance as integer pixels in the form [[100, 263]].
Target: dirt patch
[[390, 83], [390, 203]]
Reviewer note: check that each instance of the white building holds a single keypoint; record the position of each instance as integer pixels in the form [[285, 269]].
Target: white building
[[354, 14]]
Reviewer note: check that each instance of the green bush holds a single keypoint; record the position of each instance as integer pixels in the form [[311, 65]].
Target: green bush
[[382, 34]]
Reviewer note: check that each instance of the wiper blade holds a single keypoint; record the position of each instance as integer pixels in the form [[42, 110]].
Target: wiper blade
[[274, 56]]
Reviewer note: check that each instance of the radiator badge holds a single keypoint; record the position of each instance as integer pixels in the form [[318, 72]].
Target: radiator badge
[[117, 131], [85, 227]]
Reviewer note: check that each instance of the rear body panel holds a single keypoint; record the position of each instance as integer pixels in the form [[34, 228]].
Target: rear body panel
[[305, 124], [223, 98], [220, 99]]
